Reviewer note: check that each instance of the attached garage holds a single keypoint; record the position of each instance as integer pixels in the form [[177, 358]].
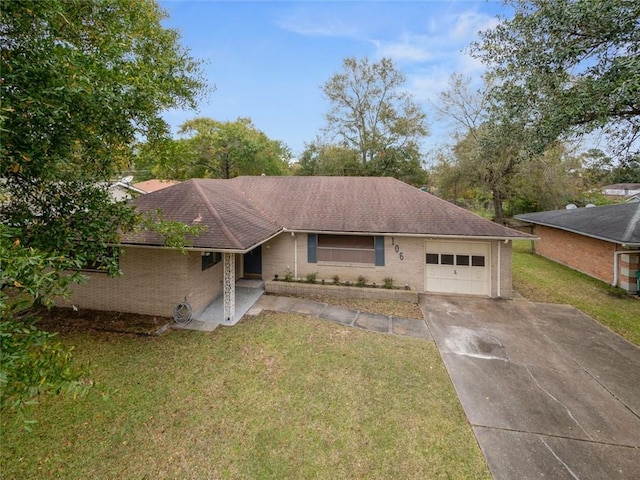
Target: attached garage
[[458, 267]]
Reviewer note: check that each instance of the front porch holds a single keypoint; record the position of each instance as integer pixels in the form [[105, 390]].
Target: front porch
[[247, 293]]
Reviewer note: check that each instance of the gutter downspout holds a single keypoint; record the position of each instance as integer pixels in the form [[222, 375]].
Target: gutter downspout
[[615, 264], [295, 255]]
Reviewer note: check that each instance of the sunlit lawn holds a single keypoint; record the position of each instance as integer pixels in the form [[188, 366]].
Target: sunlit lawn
[[542, 280], [277, 396]]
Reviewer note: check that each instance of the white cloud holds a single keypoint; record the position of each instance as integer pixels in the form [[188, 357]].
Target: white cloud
[[405, 51], [315, 24]]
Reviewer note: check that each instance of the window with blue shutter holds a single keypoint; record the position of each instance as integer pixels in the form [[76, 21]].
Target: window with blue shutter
[[312, 248], [379, 246]]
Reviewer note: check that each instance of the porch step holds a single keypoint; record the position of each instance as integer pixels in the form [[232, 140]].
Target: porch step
[[250, 283]]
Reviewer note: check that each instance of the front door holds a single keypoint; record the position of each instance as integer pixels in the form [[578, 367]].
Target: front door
[[253, 263]]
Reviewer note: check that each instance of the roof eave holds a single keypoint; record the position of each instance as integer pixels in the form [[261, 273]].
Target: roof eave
[[420, 235], [200, 249], [578, 232]]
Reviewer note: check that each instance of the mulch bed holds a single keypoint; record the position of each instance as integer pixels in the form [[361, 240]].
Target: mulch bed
[[66, 319]]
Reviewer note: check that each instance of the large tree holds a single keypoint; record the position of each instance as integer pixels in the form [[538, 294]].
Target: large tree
[[488, 150], [492, 153], [81, 81], [569, 67], [213, 149], [370, 111]]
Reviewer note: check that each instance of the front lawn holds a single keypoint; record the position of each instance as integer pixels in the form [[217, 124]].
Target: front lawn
[[541, 280], [277, 396]]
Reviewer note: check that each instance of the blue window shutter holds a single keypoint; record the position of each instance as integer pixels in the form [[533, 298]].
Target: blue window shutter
[[379, 245], [312, 245]]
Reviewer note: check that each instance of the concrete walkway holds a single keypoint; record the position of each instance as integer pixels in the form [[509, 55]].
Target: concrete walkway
[[251, 301], [368, 321], [549, 392]]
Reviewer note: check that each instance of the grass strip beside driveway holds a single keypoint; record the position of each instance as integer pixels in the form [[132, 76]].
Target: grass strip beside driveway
[[277, 396]]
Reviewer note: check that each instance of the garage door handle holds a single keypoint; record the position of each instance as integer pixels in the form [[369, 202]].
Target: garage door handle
[[455, 272]]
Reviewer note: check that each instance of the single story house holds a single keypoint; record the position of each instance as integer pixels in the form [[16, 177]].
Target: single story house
[[154, 185], [263, 227], [603, 242], [621, 190]]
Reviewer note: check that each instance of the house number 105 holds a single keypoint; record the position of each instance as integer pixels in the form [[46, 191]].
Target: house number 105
[[397, 248]]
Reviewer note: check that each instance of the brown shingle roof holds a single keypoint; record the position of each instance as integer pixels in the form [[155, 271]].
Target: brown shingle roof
[[244, 211]]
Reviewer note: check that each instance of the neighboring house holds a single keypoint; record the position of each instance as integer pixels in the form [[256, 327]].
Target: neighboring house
[[263, 227], [123, 190], [621, 190], [603, 242], [154, 185]]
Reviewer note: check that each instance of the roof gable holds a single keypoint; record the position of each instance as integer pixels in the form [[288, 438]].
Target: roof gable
[[244, 211], [618, 223], [230, 220]]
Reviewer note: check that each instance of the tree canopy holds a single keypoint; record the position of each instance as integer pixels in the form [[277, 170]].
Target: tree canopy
[[213, 149], [370, 112], [492, 157], [80, 82], [568, 67]]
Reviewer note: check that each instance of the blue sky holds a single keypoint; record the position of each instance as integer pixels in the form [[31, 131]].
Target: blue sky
[[268, 60]]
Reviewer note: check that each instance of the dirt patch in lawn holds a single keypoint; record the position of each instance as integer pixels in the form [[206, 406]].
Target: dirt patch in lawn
[[65, 319]]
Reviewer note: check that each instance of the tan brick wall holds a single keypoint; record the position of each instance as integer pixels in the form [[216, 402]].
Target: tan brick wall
[[505, 272], [332, 291], [278, 255], [588, 255], [202, 286], [153, 282]]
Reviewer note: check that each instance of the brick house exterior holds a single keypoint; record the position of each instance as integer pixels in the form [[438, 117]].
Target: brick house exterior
[[263, 227], [602, 242]]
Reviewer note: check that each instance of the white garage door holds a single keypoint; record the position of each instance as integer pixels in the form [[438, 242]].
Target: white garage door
[[458, 267]]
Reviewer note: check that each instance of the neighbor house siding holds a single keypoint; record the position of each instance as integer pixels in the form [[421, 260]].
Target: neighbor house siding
[[153, 282], [585, 254]]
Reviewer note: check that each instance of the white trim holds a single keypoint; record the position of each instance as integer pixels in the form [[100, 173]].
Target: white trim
[[428, 236]]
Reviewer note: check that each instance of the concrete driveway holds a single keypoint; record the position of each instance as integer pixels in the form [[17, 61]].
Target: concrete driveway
[[548, 391]]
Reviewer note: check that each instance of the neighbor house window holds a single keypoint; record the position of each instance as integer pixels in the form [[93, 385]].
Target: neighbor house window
[[346, 249], [209, 259]]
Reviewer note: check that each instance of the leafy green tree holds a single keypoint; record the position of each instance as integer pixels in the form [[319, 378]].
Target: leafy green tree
[[627, 171], [489, 149], [547, 182], [493, 153], [596, 168], [320, 158], [80, 82], [213, 149], [568, 67], [371, 113]]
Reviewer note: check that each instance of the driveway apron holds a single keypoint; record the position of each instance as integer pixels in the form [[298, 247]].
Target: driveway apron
[[549, 392]]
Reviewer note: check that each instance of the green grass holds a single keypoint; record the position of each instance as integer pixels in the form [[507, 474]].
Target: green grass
[[277, 396], [541, 280]]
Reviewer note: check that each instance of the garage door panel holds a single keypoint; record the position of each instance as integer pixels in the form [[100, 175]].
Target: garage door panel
[[457, 267]]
